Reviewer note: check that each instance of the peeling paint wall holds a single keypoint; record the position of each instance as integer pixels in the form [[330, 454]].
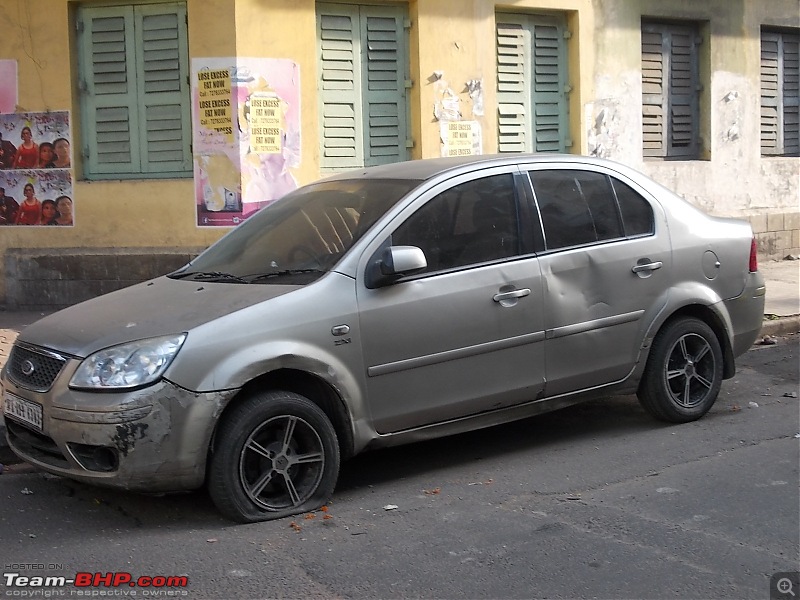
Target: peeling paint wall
[[731, 178], [455, 38]]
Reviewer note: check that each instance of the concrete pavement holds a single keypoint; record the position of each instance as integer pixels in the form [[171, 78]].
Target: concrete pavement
[[782, 315]]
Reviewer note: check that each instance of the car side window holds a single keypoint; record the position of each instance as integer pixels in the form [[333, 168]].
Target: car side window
[[473, 222], [637, 214], [577, 207]]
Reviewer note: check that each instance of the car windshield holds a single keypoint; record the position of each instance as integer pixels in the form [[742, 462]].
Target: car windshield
[[299, 237]]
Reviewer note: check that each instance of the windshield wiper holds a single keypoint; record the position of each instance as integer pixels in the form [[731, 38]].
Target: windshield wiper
[[210, 276], [281, 273]]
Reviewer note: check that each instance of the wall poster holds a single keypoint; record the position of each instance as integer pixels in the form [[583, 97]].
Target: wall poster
[[246, 121], [35, 169], [9, 90]]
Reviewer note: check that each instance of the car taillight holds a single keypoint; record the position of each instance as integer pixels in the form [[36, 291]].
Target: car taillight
[[753, 256]]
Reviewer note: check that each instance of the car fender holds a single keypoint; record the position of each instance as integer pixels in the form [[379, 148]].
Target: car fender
[[247, 363], [679, 297]]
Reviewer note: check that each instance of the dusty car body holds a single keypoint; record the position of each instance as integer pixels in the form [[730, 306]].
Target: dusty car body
[[384, 306]]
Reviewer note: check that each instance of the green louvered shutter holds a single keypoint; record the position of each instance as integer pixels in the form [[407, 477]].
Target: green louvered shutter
[[384, 58], [549, 85], [340, 86], [134, 104], [513, 90], [161, 60], [532, 98], [670, 91], [109, 81]]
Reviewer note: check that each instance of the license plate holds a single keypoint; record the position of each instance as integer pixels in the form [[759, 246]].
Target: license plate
[[23, 410]]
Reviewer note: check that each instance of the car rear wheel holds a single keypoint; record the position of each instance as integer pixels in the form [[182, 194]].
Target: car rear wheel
[[276, 454], [684, 372]]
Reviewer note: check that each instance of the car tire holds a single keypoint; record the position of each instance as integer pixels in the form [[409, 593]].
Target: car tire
[[683, 374], [276, 454]]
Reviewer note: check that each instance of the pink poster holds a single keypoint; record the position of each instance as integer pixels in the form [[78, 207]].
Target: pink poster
[[246, 124], [8, 86]]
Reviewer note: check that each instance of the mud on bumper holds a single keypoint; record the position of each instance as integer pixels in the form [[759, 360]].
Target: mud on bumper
[[161, 444]]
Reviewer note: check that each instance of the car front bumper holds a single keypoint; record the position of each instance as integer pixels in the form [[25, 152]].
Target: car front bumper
[[153, 439]]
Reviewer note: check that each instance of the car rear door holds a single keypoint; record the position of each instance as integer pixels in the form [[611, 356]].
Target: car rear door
[[605, 268]]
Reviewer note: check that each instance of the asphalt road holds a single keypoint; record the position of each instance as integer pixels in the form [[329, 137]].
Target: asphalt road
[[594, 501]]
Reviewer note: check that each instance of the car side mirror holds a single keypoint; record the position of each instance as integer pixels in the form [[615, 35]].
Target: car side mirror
[[393, 262]]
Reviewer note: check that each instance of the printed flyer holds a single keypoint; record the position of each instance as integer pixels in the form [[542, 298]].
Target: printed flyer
[[246, 122]]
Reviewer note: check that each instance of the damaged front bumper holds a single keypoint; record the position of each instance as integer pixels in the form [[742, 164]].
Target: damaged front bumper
[[153, 439]]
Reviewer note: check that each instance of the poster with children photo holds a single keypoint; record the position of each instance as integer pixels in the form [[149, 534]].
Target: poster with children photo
[[35, 141], [36, 197]]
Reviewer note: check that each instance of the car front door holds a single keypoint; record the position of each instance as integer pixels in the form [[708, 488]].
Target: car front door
[[465, 335], [606, 267]]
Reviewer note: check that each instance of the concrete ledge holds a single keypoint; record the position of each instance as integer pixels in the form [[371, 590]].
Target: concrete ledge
[[48, 279], [781, 326]]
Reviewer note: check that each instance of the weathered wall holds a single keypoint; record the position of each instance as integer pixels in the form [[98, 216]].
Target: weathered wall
[[732, 179], [457, 39]]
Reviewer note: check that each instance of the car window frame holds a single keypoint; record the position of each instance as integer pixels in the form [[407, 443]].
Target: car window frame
[[609, 174], [527, 230]]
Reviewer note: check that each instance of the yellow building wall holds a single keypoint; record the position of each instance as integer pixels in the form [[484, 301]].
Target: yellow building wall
[[453, 37]]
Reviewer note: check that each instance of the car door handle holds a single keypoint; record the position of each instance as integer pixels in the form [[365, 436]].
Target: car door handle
[[638, 268], [511, 295]]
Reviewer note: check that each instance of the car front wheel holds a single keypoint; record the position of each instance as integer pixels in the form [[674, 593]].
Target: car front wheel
[[276, 454], [684, 372]]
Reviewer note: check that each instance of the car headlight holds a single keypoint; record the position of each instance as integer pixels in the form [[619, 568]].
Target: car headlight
[[128, 365]]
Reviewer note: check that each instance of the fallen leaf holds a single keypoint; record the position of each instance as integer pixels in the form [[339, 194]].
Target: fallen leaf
[[735, 408], [309, 516], [295, 526], [433, 492], [327, 517]]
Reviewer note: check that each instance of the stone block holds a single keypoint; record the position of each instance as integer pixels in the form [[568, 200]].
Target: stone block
[[759, 223], [775, 222]]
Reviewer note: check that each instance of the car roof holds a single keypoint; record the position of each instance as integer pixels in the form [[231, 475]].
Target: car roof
[[427, 168]]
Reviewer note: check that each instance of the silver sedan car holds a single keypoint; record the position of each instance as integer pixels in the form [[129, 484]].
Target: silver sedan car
[[383, 306]]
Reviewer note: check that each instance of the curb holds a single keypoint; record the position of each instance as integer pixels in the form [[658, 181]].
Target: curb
[[770, 327], [781, 326]]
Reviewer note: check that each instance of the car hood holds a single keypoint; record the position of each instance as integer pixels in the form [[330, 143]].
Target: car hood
[[159, 307]]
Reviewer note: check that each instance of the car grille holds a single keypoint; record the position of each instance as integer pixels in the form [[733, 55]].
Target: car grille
[[34, 368]]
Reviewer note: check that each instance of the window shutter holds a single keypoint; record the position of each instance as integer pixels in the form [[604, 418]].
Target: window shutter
[[683, 97], [383, 58], [670, 91], [109, 104], [513, 96], [340, 86], [162, 68], [791, 94], [653, 129], [532, 84], [549, 85], [770, 90]]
